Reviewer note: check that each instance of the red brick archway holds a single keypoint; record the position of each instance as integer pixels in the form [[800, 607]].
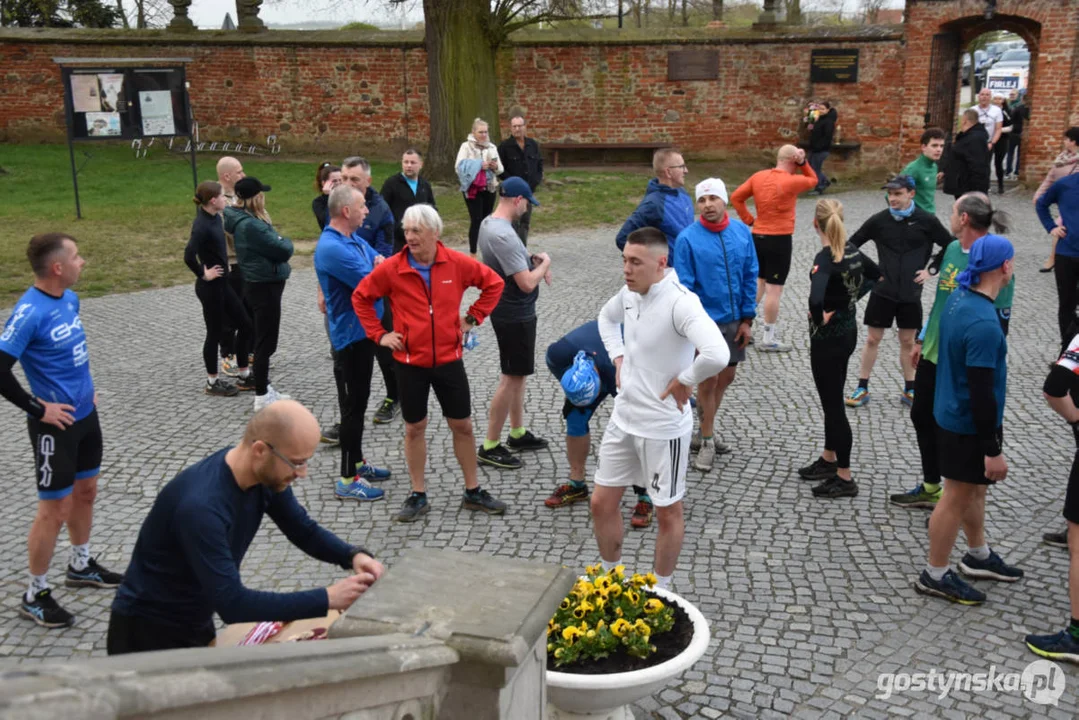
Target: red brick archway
[[1051, 30]]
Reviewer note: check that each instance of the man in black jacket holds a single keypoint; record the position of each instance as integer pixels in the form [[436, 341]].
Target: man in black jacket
[[966, 168], [404, 190], [904, 235], [820, 143], [521, 157]]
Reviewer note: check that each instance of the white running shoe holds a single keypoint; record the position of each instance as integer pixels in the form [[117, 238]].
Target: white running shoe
[[773, 346], [269, 398], [705, 456]]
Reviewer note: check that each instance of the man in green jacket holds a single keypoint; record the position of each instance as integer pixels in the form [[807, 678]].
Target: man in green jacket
[[263, 255]]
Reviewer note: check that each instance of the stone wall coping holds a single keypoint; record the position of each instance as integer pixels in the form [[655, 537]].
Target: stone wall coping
[[413, 39], [153, 682]]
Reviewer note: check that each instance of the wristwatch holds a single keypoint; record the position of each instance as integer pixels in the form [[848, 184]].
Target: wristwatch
[[471, 320]]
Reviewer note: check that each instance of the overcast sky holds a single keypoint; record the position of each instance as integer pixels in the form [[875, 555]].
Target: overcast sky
[[211, 13]]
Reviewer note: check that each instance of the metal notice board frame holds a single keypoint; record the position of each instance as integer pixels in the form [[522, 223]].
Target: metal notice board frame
[[125, 99]]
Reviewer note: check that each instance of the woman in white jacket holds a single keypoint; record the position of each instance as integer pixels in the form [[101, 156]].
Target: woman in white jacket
[[478, 167]]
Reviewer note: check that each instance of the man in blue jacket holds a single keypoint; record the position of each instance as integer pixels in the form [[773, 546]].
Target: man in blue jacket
[[342, 260], [377, 230], [1064, 193], [666, 205], [715, 258]]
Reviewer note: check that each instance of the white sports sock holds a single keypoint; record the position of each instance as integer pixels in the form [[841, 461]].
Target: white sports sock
[[608, 566], [37, 584], [980, 553], [663, 582], [769, 333], [935, 572], [80, 556]]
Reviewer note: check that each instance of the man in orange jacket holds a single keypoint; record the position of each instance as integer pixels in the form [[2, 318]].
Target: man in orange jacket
[[424, 284], [775, 193]]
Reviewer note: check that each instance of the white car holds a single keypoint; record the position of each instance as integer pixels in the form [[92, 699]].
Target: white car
[[1009, 73]]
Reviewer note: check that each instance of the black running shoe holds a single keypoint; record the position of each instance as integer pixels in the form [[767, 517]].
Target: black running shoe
[[386, 412], [1057, 539], [528, 441], [415, 506], [45, 611], [499, 457], [836, 487], [93, 576], [220, 388], [332, 434], [246, 384], [483, 501], [819, 469]]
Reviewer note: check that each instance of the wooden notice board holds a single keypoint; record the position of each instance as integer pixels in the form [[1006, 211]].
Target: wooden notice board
[[833, 66]]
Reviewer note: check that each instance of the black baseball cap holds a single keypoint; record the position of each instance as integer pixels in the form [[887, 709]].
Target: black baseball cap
[[899, 182], [248, 187]]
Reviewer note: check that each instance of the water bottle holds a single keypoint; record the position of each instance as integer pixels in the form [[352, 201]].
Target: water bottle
[[471, 340]]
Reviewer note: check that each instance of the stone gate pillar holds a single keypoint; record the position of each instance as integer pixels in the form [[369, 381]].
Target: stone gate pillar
[[180, 21], [247, 16]]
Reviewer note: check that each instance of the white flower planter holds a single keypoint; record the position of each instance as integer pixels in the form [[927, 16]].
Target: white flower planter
[[608, 697]]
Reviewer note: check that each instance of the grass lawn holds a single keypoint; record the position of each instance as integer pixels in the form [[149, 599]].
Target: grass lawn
[[137, 212]]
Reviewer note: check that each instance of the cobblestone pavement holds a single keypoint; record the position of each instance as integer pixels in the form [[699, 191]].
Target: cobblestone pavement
[[808, 600]]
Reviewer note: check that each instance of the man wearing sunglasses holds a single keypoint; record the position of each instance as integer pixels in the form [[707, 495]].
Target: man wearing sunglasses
[[186, 563]]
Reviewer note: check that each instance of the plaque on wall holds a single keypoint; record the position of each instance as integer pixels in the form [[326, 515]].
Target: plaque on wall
[[833, 66], [693, 65]]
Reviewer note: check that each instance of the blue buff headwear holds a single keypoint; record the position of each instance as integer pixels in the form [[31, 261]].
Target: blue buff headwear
[[581, 381], [987, 254]]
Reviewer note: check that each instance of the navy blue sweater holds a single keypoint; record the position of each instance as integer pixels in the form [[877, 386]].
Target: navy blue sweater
[[1064, 193], [186, 563]]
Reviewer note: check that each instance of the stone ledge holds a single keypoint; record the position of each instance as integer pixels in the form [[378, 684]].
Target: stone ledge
[[160, 682]]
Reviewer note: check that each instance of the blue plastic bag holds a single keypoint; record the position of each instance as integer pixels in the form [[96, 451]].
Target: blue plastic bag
[[581, 381]]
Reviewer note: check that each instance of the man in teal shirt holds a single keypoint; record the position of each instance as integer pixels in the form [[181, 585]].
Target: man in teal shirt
[[924, 170]]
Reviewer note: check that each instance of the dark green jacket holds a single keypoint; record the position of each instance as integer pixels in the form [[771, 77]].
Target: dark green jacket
[[261, 252]]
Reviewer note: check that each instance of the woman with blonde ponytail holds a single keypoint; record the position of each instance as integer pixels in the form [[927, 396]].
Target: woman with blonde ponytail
[[841, 274]]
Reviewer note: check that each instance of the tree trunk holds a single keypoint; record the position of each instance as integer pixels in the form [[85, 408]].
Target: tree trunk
[[794, 12], [717, 9], [123, 15], [462, 77], [685, 14]]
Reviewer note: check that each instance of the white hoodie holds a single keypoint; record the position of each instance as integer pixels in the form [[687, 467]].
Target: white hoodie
[[663, 328]]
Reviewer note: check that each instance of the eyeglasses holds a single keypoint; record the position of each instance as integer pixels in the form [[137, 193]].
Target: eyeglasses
[[677, 167], [295, 467]]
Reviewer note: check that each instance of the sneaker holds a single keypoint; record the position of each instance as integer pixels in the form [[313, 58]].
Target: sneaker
[[1061, 646], [642, 514], [705, 456], [836, 487], [332, 434], [357, 489], [499, 457], [565, 495], [45, 611], [721, 448], [220, 388], [386, 412], [483, 501], [858, 398], [695, 441], [269, 398], [992, 568], [528, 441], [907, 397], [370, 473], [93, 576], [774, 346], [415, 506], [229, 366], [1059, 539], [950, 587], [819, 469], [246, 384], [919, 497]]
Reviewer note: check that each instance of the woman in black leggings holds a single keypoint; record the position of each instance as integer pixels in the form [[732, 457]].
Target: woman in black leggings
[[478, 167], [207, 256], [840, 275]]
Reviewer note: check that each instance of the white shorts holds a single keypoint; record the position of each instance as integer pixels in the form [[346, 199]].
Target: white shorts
[[658, 465]]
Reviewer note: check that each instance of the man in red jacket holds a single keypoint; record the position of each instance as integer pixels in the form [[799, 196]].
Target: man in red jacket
[[424, 285]]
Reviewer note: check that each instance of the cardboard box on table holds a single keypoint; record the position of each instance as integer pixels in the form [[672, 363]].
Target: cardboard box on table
[[233, 635]]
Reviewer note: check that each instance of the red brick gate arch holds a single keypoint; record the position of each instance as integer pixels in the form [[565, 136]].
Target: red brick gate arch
[[1051, 30]]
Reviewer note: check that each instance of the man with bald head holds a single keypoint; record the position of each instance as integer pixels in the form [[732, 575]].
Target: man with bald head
[[186, 563], [775, 193], [229, 170]]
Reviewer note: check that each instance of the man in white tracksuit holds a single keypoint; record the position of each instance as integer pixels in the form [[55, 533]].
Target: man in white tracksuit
[[647, 438]]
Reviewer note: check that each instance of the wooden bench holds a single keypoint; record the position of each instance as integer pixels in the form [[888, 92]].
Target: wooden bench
[[843, 149], [556, 149]]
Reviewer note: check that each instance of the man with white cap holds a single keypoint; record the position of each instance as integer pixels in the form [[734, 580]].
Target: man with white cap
[[715, 259]]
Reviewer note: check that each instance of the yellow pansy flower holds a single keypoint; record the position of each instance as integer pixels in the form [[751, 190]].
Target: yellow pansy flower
[[559, 652], [618, 611], [651, 578], [590, 634], [594, 569], [552, 627], [615, 590], [642, 628], [587, 606], [634, 596], [571, 633], [653, 606], [637, 580], [601, 624], [564, 605], [620, 627], [602, 583], [618, 571], [600, 603]]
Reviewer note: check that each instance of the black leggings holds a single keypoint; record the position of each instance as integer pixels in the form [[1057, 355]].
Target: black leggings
[[265, 301], [479, 207], [228, 331], [1000, 150], [384, 355], [220, 306], [925, 425], [129, 634], [1066, 271], [828, 359], [352, 367]]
